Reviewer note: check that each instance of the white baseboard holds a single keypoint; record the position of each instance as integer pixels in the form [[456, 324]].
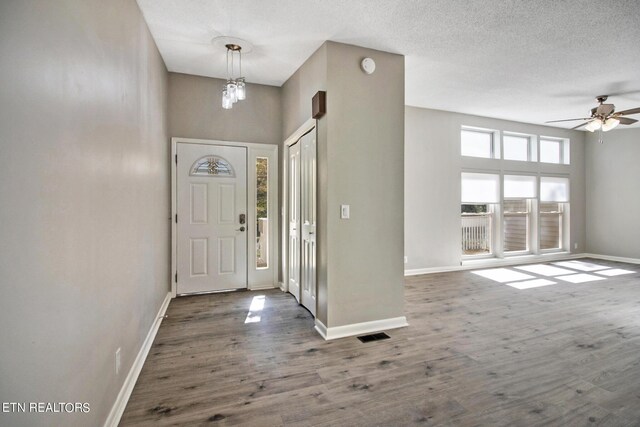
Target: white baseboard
[[496, 262], [282, 288], [614, 258], [359, 328], [125, 392], [321, 329]]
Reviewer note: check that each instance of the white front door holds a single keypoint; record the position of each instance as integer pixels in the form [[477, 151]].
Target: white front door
[[211, 221], [308, 221], [294, 219]]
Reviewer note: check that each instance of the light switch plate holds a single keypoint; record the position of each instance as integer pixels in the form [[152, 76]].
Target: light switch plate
[[344, 211]]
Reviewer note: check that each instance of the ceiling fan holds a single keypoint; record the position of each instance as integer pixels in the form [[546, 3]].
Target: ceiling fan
[[603, 117]]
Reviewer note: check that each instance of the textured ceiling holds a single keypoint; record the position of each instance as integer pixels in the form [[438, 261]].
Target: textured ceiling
[[528, 61]]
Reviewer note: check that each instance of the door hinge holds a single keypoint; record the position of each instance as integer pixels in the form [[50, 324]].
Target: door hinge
[[176, 277], [176, 218], [176, 159]]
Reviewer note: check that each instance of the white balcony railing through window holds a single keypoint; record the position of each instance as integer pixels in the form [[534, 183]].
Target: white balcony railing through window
[[476, 234]]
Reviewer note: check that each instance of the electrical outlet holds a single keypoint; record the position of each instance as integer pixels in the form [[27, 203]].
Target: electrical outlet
[[575, 246], [406, 259], [118, 361]]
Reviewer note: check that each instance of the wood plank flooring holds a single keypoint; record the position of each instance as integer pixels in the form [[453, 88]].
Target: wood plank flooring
[[477, 353]]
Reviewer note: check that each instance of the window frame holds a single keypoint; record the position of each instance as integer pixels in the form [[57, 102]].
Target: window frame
[[528, 216], [563, 146], [494, 146], [561, 220], [531, 154]]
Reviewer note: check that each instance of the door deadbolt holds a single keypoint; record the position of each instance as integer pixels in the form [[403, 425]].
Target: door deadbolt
[[243, 218]]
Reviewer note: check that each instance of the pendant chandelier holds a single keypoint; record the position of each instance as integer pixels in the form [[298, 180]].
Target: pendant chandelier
[[235, 88]]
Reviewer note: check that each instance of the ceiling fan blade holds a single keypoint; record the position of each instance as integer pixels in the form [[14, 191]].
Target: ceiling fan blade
[[629, 112], [579, 126], [569, 120], [626, 120]]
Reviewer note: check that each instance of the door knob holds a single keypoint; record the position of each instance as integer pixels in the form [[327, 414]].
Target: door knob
[[240, 229]]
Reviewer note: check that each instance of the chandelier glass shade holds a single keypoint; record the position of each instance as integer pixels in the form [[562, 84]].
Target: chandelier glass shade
[[235, 88]]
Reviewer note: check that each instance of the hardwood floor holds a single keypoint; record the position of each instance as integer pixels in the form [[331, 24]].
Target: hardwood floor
[[477, 353]]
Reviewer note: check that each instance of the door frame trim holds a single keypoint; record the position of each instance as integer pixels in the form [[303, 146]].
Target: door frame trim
[[306, 127], [252, 148]]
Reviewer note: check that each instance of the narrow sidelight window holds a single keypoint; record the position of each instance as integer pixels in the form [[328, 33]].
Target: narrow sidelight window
[[262, 212]]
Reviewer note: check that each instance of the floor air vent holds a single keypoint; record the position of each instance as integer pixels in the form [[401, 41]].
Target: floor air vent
[[373, 337]]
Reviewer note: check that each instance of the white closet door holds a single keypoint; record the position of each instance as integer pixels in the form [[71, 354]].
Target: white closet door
[[293, 204], [308, 221]]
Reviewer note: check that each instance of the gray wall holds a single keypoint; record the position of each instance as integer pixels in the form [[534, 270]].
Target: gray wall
[[613, 188], [195, 111], [298, 90], [84, 196], [432, 181], [365, 160], [360, 162]]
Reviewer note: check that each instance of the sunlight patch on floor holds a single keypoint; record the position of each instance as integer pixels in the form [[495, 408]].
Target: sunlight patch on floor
[[615, 272], [545, 270], [581, 278], [569, 271], [503, 275], [528, 284], [257, 304], [581, 265]]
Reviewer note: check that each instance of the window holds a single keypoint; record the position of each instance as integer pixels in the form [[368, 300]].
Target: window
[[518, 191], [477, 229], [480, 188], [477, 143], [554, 189], [262, 212], [520, 187], [516, 225], [516, 147], [551, 225], [212, 166], [554, 150], [480, 191], [507, 208], [554, 200]]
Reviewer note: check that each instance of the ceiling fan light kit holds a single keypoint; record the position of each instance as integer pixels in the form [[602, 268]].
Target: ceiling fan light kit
[[604, 117], [593, 125], [610, 123]]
